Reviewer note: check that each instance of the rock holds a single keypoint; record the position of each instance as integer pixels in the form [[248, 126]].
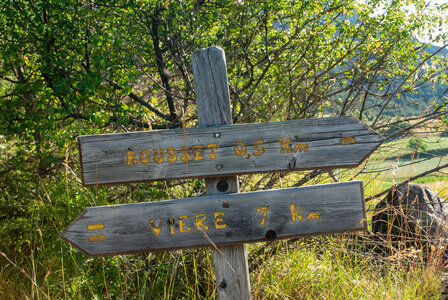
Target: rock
[[413, 213]]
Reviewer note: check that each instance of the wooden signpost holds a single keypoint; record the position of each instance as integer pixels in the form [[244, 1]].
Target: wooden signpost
[[225, 150], [218, 151], [224, 219]]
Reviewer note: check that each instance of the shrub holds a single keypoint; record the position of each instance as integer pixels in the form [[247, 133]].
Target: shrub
[[417, 145]]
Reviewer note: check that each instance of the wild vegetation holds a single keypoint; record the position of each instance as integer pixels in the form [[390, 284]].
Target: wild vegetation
[[81, 67]]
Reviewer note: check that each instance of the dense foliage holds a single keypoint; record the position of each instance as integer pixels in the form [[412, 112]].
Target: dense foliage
[[74, 67]]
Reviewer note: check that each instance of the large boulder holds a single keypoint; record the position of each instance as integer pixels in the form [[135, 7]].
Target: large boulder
[[413, 213]]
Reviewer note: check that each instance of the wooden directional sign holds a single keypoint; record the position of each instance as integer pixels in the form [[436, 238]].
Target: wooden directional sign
[[225, 150], [222, 219], [214, 150]]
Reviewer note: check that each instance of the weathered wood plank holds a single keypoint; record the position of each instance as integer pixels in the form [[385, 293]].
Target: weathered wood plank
[[225, 150], [222, 219], [213, 100], [212, 89]]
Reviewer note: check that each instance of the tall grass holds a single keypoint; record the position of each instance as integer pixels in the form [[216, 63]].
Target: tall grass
[[320, 268], [325, 268]]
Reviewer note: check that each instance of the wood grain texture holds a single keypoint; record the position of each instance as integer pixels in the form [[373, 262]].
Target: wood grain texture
[[211, 85], [213, 101], [313, 143], [224, 219]]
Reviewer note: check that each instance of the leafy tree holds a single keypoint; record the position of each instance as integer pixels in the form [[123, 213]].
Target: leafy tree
[[417, 145], [71, 67]]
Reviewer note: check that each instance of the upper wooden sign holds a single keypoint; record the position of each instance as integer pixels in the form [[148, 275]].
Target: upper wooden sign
[[225, 150], [219, 219]]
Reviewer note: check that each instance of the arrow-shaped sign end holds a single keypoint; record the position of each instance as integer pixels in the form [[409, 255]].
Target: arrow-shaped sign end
[[67, 235]]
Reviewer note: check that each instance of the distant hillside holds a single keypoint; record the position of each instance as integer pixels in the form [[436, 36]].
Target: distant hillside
[[427, 94], [434, 49], [411, 104]]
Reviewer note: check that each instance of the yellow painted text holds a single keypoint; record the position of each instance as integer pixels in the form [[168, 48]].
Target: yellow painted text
[[347, 140], [184, 224], [170, 155], [96, 238], [263, 209], [95, 227], [313, 216], [295, 213]]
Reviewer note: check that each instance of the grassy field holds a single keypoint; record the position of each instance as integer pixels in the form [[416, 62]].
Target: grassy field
[[396, 162], [403, 162]]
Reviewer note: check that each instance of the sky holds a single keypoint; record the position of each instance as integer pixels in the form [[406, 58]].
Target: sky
[[431, 6]]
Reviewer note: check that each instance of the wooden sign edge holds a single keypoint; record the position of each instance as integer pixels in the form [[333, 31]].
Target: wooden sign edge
[[255, 124], [66, 229], [382, 139], [211, 246], [227, 174], [82, 165]]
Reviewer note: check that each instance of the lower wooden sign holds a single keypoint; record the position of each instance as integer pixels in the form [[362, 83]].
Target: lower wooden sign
[[222, 219]]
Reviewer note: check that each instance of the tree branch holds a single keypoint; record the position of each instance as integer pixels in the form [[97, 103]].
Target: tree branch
[[143, 102], [407, 181], [404, 81], [163, 72], [415, 125]]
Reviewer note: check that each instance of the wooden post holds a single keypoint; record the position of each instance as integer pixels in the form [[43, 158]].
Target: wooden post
[[213, 102]]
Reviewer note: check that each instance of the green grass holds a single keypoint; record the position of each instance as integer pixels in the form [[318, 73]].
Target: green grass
[[318, 268], [433, 142], [394, 162], [325, 268]]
